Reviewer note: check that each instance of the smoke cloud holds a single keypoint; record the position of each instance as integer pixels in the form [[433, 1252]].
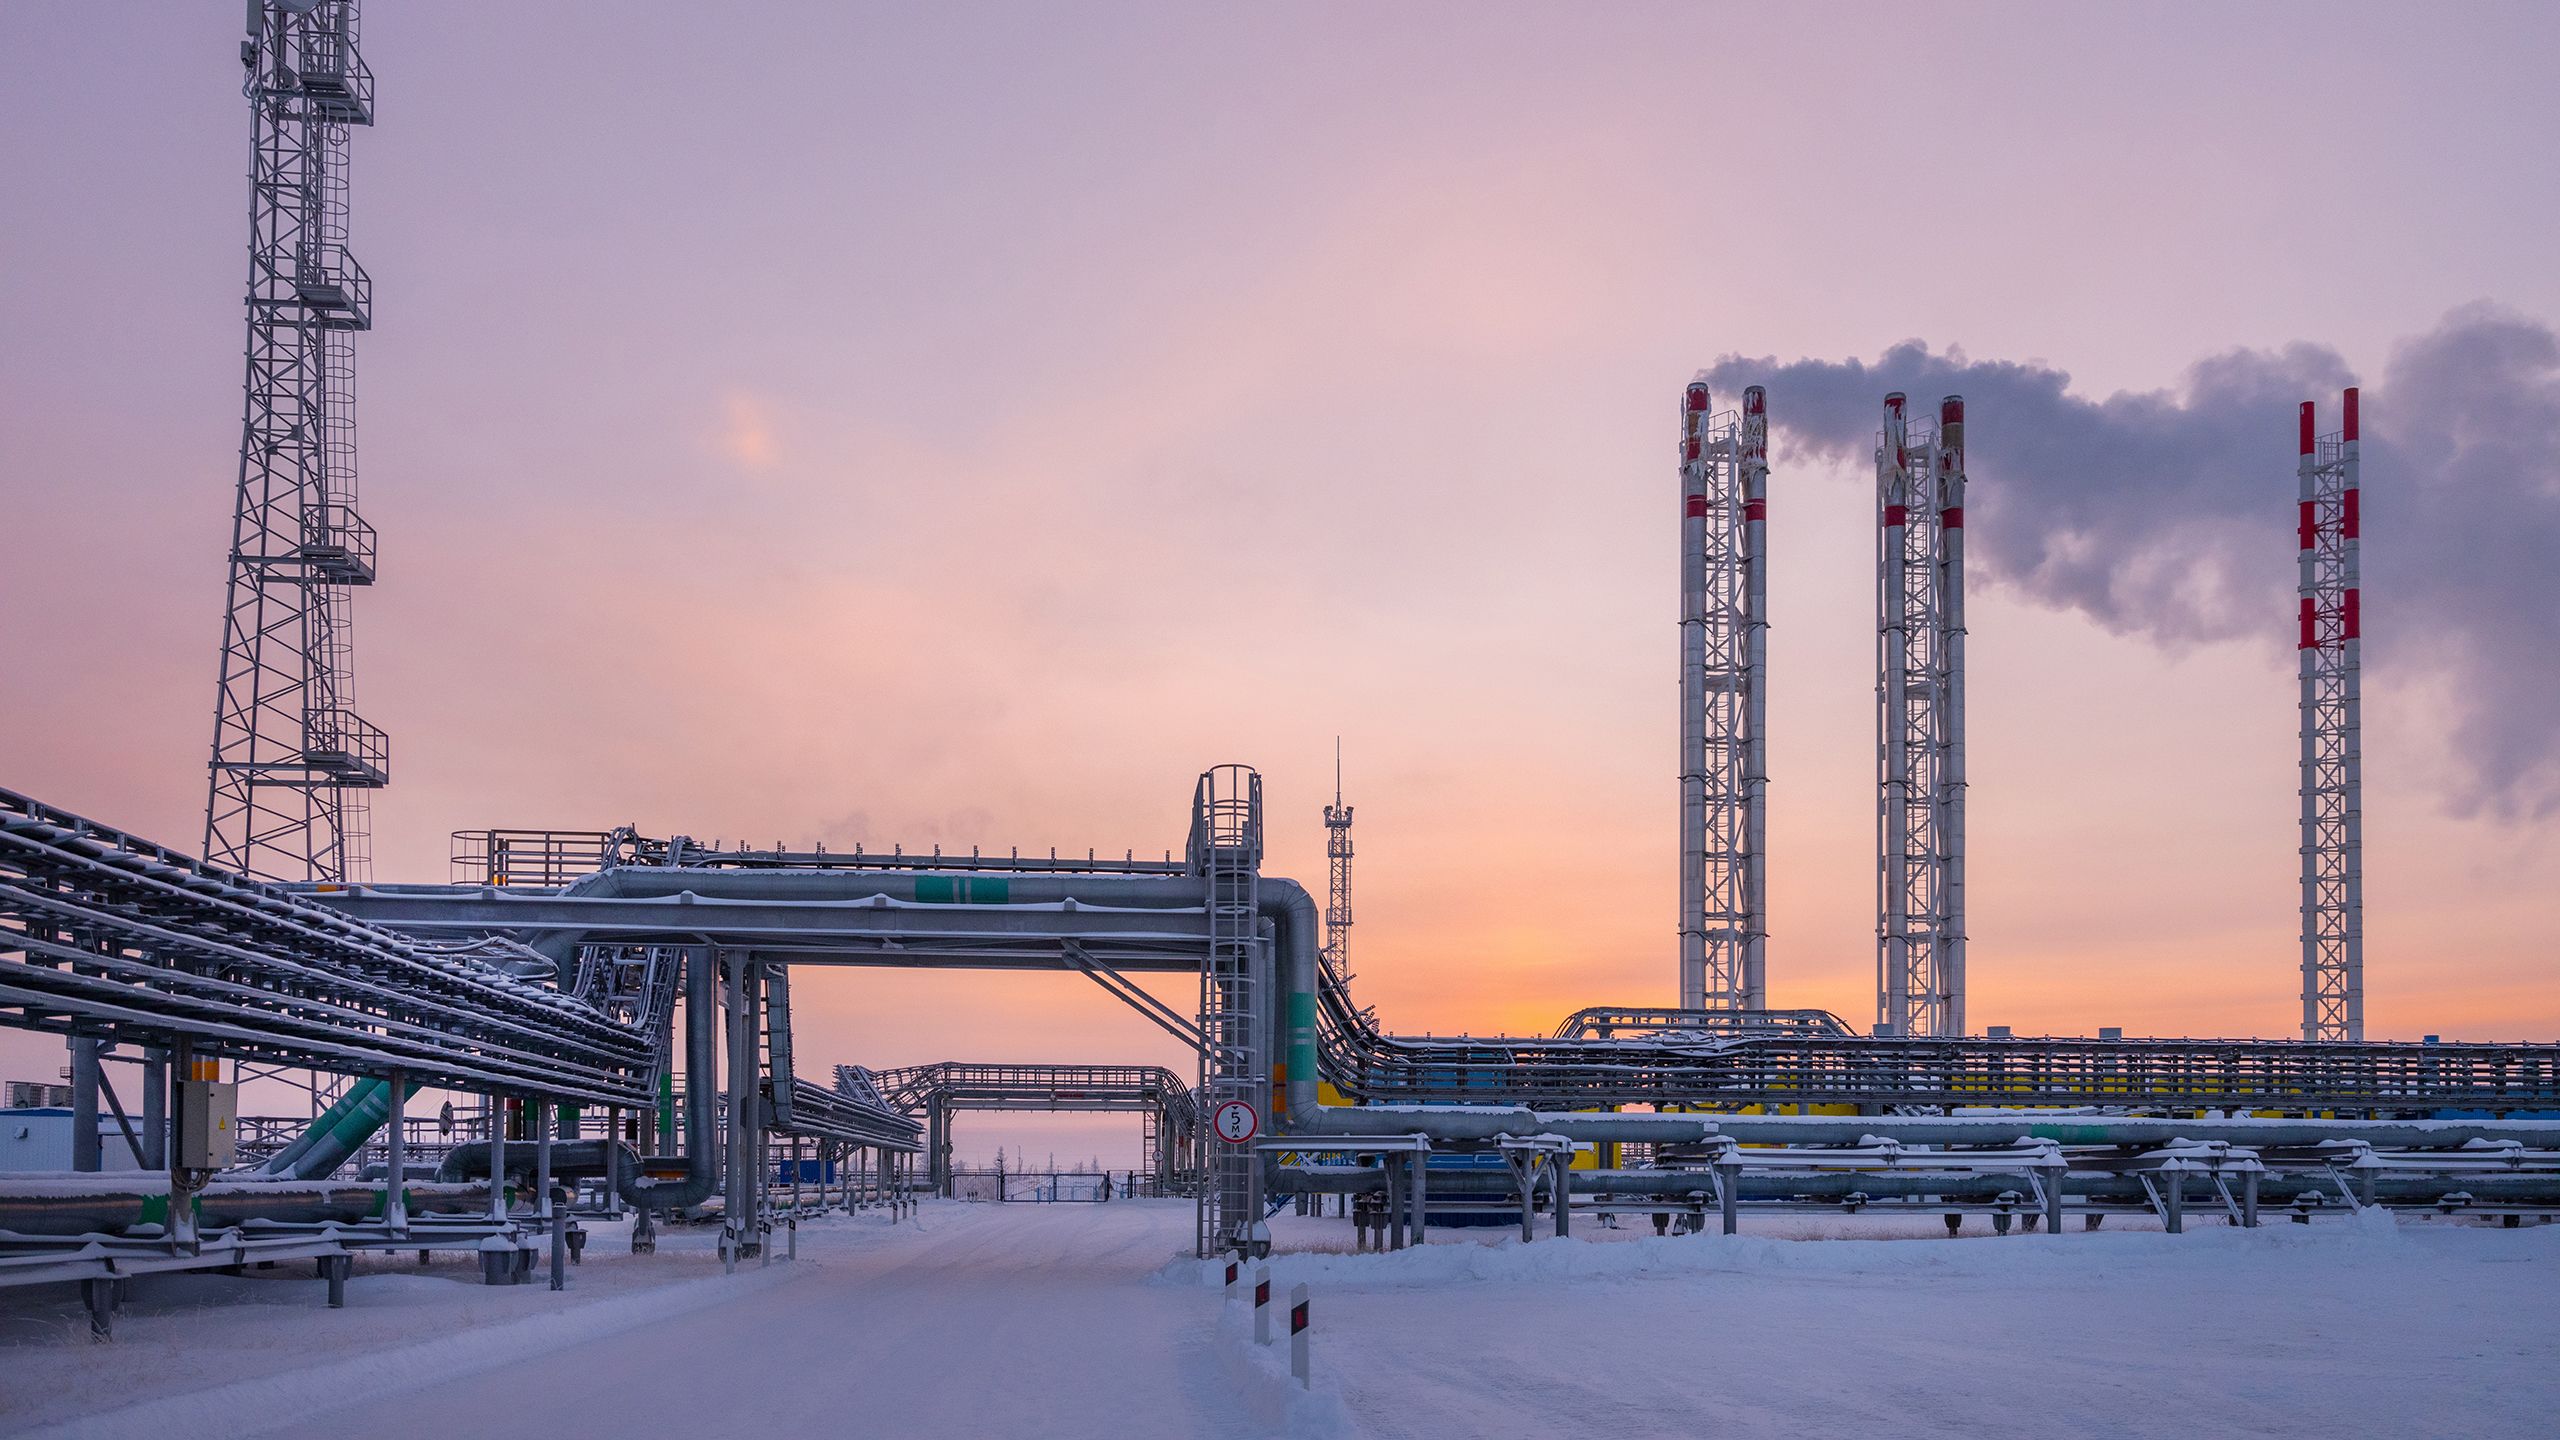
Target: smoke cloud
[[2169, 514]]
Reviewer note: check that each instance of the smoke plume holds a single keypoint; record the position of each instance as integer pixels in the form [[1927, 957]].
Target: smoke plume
[[2170, 514]]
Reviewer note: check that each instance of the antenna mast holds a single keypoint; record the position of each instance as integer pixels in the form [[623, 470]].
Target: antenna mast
[[1337, 851]]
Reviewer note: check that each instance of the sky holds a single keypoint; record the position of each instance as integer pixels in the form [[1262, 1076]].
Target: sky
[[963, 424]]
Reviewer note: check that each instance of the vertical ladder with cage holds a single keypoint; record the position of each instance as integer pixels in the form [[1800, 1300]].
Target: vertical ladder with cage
[[1226, 849]]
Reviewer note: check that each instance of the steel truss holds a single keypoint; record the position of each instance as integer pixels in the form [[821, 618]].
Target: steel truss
[[1723, 701], [109, 936], [291, 758], [1609, 1022], [2332, 788], [1920, 723], [1169, 1110]]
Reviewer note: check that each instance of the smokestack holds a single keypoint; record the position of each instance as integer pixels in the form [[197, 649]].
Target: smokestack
[[2329, 607], [1696, 408], [1920, 721], [1951, 779], [1723, 481], [1893, 498], [1755, 698]]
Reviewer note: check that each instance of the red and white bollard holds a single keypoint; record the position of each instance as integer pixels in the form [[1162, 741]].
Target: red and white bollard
[[1298, 1334], [1262, 1305], [1230, 1291]]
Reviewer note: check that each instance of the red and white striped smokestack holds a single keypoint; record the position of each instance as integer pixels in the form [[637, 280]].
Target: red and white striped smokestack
[[1949, 498], [1755, 698], [2329, 644], [1697, 406], [2351, 643], [1893, 494]]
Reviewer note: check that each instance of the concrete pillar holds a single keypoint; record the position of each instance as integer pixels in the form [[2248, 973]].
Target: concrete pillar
[[85, 1153], [497, 1160], [395, 1179], [155, 1109], [1421, 1168], [1562, 1165], [1524, 1177]]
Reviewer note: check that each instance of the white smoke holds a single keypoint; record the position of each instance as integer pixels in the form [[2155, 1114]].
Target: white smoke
[[2169, 514]]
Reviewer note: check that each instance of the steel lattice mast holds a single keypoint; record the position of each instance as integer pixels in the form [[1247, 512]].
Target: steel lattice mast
[[1920, 723], [291, 759], [1723, 648], [1337, 851], [2332, 754]]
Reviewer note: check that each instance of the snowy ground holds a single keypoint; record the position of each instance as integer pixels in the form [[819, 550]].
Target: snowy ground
[[1081, 1321]]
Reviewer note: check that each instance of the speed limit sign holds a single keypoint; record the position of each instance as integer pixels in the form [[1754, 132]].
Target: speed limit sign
[[1235, 1122]]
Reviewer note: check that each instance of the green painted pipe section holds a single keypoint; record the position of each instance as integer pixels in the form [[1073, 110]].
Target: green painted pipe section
[[342, 1130], [1302, 1034]]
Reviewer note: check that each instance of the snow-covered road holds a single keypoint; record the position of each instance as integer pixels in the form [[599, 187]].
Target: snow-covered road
[[1078, 1320]]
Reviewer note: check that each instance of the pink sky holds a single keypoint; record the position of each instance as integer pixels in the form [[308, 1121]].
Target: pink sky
[[964, 424]]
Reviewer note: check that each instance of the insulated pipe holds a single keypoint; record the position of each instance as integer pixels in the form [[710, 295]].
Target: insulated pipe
[[570, 1160], [1846, 1130], [1902, 1185], [75, 1204], [644, 1191], [1492, 1122], [346, 1127], [1288, 907]]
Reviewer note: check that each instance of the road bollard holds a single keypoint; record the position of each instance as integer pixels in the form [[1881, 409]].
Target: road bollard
[[1230, 1291], [1262, 1305], [1298, 1334]]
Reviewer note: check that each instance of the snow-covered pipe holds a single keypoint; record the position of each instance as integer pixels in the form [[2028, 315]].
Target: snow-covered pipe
[[79, 1204], [570, 1160], [1491, 1122], [1891, 1185], [1842, 1130]]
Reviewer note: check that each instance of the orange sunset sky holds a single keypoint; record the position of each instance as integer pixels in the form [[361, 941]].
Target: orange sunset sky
[[957, 425]]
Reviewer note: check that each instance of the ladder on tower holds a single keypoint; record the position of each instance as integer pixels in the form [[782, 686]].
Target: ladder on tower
[[1226, 847]]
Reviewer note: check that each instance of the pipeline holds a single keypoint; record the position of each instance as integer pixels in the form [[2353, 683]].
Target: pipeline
[[1318, 1031], [1683, 1185], [701, 1071], [346, 1127], [570, 1160], [1845, 1130], [69, 1205]]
